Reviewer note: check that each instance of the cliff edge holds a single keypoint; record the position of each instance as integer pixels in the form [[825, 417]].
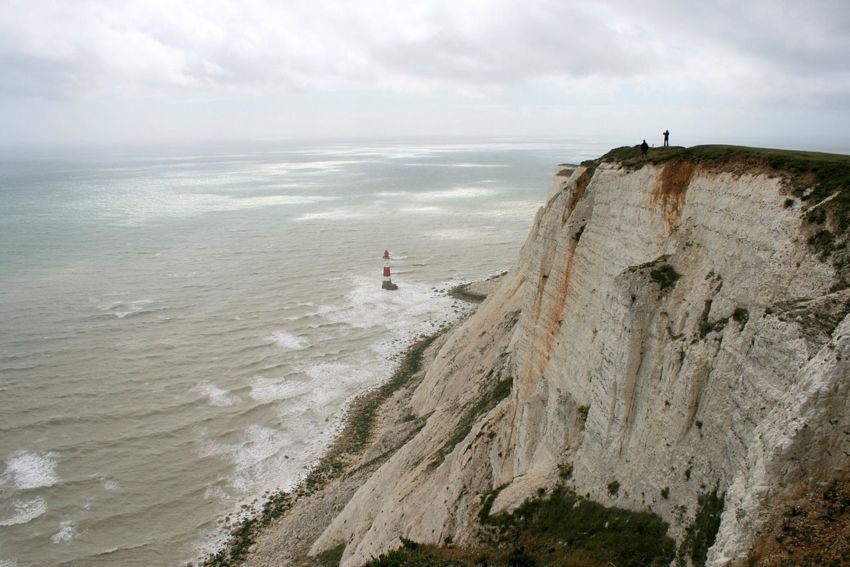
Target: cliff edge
[[674, 335]]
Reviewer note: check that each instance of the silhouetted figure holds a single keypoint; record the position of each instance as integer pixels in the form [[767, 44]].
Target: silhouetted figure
[[644, 147], [666, 138]]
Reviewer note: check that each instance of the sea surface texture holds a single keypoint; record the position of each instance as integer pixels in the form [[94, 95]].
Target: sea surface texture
[[180, 331]]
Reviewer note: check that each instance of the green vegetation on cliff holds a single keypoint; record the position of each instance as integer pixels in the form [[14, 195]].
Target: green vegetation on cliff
[[563, 529]]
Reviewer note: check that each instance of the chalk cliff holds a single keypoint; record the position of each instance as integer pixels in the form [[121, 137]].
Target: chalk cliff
[[674, 330]]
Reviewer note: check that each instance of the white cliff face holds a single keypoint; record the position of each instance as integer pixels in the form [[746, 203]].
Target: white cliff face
[[731, 377]]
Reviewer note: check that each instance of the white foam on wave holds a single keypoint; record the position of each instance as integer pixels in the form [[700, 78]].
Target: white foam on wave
[[67, 532], [23, 511], [121, 309], [428, 210], [382, 152], [289, 341], [264, 390], [332, 214], [311, 167], [405, 311], [509, 210], [256, 456], [455, 193], [218, 396], [336, 371], [106, 481], [334, 382], [271, 200], [32, 470], [470, 165], [457, 233], [215, 492], [8, 563], [168, 200]]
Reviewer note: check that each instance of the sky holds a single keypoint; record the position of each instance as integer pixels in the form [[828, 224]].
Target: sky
[[152, 71]]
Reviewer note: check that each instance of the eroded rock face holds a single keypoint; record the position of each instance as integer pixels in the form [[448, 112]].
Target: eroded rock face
[[667, 329]]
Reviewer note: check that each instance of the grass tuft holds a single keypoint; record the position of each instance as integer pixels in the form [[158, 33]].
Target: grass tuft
[[665, 276]]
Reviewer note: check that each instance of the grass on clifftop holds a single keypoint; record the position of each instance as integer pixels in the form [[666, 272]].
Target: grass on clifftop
[[563, 529], [822, 172]]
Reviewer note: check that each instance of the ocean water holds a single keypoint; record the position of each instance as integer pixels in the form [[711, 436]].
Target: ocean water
[[180, 330]]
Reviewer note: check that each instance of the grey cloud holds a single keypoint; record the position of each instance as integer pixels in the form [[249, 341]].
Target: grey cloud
[[530, 42], [781, 37], [130, 48]]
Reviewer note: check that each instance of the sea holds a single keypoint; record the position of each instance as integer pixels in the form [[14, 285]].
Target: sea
[[182, 327]]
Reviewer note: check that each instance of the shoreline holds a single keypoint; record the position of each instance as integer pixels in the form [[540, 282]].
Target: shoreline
[[357, 435], [476, 291]]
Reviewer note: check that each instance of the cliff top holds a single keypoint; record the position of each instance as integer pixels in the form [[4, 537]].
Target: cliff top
[[793, 161], [820, 181]]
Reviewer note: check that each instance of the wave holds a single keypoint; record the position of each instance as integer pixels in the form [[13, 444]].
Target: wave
[[265, 391], [422, 210], [67, 532], [132, 207], [32, 470], [404, 311], [258, 457], [461, 165], [24, 511], [217, 396], [122, 309], [333, 214], [456, 233], [288, 341], [455, 193]]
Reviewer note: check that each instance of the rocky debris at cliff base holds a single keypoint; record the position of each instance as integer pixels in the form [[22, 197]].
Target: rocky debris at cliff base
[[813, 528]]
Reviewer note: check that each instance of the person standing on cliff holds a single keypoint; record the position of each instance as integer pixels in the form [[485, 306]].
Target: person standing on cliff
[[666, 138], [644, 147]]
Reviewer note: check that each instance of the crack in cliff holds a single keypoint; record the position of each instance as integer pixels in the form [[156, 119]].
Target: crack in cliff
[[579, 188]]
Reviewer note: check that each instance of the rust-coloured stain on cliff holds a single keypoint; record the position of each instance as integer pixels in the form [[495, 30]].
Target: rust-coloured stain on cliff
[[557, 310], [669, 192]]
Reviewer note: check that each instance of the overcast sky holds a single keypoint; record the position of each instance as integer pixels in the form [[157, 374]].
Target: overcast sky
[[79, 71]]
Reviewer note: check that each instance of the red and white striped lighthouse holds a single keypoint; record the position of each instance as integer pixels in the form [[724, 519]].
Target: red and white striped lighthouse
[[388, 282]]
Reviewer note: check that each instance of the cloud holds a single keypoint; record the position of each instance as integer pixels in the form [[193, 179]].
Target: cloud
[[516, 42], [91, 69], [148, 48]]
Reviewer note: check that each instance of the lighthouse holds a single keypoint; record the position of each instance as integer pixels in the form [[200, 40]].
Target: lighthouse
[[388, 282]]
